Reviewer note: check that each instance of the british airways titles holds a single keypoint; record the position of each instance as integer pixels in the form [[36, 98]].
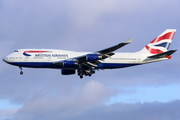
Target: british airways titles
[[52, 55]]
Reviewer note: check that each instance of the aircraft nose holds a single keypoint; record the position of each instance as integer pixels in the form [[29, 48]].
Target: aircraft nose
[[5, 59]]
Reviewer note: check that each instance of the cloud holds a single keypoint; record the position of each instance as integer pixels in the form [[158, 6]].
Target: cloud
[[87, 102], [59, 23], [8, 113], [91, 94], [86, 26], [141, 111], [94, 91]]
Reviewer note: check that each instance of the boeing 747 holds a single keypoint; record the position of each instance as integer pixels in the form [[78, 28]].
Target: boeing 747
[[86, 63]]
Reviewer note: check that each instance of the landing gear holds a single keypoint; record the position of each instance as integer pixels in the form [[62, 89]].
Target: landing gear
[[80, 73], [21, 72], [86, 72], [81, 76]]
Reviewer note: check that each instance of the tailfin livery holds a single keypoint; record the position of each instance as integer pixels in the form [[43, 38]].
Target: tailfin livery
[[161, 43]]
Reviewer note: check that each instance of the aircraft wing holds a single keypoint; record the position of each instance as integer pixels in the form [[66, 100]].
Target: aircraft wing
[[92, 59], [105, 52], [115, 47]]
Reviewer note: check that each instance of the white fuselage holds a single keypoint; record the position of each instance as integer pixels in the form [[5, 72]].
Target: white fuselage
[[46, 58], [85, 63]]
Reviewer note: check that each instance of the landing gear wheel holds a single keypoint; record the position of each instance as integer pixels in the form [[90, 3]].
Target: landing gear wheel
[[21, 73], [81, 76]]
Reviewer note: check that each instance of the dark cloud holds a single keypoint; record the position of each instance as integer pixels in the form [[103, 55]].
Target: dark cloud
[[85, 26], [141, 111]]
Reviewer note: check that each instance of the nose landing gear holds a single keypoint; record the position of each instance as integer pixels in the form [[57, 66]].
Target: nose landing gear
[[21, 72]]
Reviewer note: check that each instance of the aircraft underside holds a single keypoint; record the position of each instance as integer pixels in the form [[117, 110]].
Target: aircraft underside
[[81, 70]]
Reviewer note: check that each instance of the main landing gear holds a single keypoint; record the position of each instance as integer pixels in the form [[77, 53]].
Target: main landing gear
[[85, 72], [21, 72]]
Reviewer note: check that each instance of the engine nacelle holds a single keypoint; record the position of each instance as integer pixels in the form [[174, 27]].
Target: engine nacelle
[[93, 57], [67, 72], [70, 64]]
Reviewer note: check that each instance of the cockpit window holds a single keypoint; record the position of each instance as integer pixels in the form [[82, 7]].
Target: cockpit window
[[16, 51]]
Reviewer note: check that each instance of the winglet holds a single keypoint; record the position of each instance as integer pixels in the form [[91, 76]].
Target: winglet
[[129, 41]]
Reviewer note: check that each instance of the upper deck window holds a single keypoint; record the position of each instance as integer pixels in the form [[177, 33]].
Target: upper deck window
[[16, 51]]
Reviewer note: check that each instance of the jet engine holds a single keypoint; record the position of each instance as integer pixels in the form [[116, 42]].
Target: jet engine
[[70, 64], [93, 57], [67, 72]]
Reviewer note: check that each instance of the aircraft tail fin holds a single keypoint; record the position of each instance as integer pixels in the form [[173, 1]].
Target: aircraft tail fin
[[160, 44]]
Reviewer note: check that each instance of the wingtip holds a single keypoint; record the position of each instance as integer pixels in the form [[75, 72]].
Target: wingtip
[[130, 40], [175, 50]]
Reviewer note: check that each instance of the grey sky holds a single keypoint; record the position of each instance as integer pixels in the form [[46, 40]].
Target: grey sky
[[85, 25]]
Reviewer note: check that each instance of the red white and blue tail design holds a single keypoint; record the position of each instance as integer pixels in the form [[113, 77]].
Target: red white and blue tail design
[[161, 43]]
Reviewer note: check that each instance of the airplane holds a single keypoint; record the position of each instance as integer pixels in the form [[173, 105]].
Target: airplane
[[86, 63]]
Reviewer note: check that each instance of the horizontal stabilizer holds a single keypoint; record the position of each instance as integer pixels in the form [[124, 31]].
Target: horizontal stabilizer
[[163, 55]]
